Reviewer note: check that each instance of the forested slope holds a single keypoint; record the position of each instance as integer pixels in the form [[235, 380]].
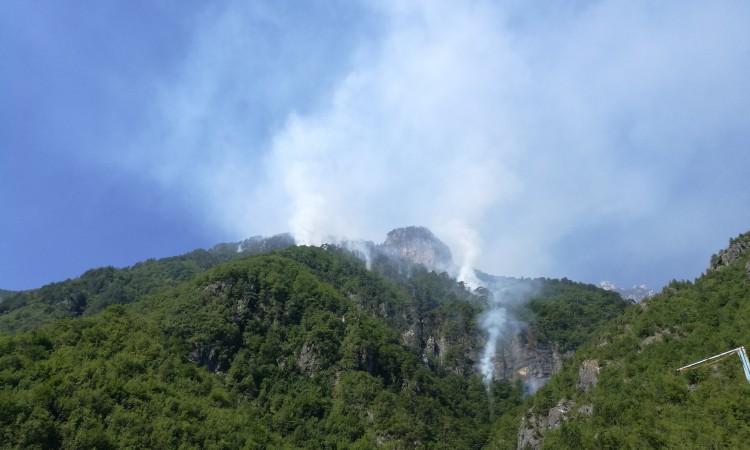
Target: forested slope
[[257, 352], [621, 389], [300, 347], [98, 288]]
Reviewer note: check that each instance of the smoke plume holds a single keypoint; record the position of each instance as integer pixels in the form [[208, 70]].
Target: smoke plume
[[524, 136], [516, 133]]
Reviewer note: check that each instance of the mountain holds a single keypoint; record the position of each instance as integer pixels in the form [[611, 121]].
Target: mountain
[[98, 288], [621, 388], [5, 294], [540, 335], [263, 343], [299, 348], [636, 293], [419, 246], [547, 319]]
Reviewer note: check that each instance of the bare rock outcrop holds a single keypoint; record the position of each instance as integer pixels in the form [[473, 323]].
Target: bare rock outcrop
[[431, 349], [655, 338], [418, 246], [588, 375], [209, 356], [521, 356], [534, 426], [738, 247], [307, 361]]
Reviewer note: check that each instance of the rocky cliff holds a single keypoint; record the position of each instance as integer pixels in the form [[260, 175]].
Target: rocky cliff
[[442, 319], [521, 356], [637, 292], [738, 247], [418, 245]]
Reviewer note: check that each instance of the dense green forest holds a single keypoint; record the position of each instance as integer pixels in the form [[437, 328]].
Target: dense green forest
[[96, 289], [302, 347], [258, 352], [621, 389], [567, 313]]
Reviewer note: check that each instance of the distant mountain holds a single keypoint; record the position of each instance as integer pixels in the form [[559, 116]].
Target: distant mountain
[[621, 388], [636, 293], [5, 294]]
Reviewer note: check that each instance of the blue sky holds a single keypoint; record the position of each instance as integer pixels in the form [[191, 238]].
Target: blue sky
[[594, 140]]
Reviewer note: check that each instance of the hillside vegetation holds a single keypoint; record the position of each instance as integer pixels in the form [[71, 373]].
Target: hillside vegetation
[[621, 389], [258, 352], [98, 288], [303, 347]]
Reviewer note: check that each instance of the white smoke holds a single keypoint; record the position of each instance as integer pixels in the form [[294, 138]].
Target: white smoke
[[360, 249], [493, 322], [505, 127], [468, 243], [531, 385], [499, 324], [501, 126], [409, 135]]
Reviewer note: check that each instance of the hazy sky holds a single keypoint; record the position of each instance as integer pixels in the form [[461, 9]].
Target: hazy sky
[[591, 139]]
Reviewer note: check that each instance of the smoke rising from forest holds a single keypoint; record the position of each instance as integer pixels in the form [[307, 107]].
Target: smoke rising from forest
[[520, 136]]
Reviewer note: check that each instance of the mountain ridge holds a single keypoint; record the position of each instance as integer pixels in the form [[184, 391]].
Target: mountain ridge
[[5, 293], [258, 351], [621, 388], [636, 293], [272, 335], [531, 349]]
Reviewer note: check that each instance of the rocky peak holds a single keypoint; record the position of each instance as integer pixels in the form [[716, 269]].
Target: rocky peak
[[738, 248], [419, 246], [636, 293]]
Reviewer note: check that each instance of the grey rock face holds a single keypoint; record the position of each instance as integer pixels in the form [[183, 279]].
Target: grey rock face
[[439, 349], [430, 349], [409, 338], [307, 360], [521, 356], [533, 427], [588, 375], [655, 338], [529, 435], [738, 247], [636, 293], [208, 356], [419, 246]]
